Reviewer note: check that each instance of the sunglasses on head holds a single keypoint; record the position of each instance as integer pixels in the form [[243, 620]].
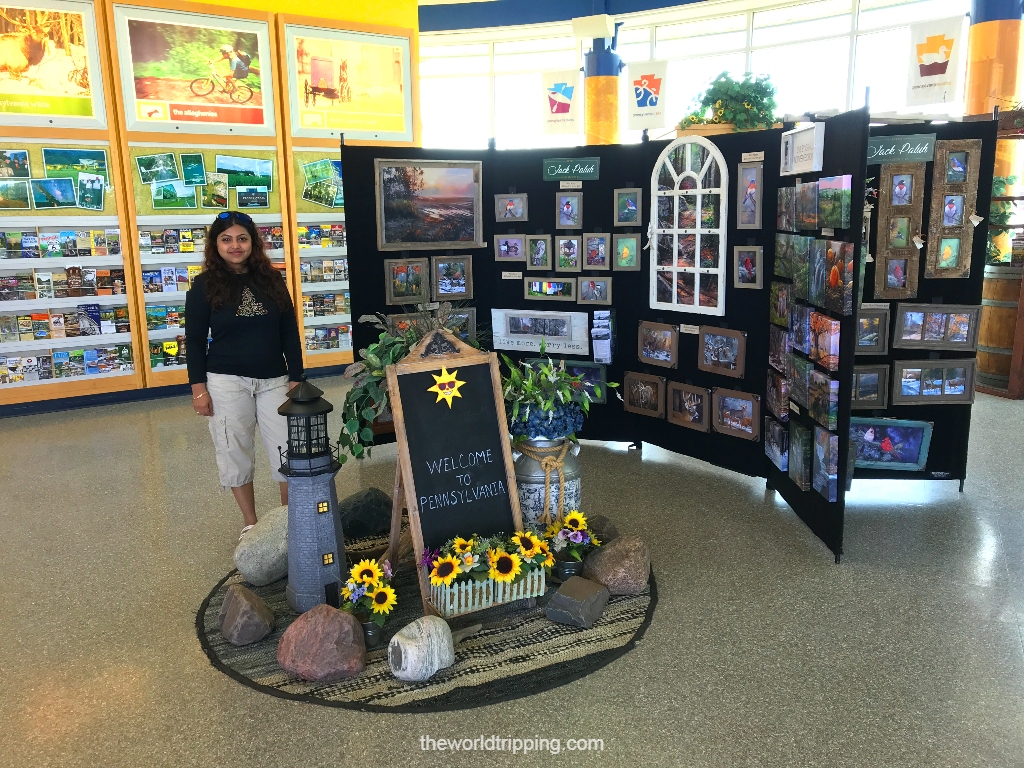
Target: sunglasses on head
[[237, 215]]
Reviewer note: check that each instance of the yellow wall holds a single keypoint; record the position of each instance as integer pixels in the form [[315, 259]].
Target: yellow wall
[[388, 13]]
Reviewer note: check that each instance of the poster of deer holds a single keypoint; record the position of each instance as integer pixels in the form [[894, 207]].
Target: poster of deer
[[193, 71], [49, 65]]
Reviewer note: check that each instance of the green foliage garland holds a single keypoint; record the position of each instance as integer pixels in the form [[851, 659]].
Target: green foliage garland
[[748, 103]]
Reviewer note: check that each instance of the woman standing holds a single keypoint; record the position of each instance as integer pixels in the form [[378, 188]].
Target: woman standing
[[254, 356]]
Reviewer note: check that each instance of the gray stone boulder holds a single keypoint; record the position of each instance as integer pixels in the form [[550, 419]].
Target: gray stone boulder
[[578, 603], [367, 513], [624, 566], [420, 649], [323, 645], [262, 554], [603, 527], [244, 617]]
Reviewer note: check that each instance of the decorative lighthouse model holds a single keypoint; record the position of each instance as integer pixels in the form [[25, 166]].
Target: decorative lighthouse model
[[316, 542]]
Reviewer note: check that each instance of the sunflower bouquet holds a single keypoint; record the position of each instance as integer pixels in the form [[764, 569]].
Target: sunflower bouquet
[[367, 594], [502, 557], [570, 536]]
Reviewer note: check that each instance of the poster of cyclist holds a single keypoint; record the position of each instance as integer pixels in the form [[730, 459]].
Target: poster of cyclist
[[348, 82], [49, 65], [205, 72]]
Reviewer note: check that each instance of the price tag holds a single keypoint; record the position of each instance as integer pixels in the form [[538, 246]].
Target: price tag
[[570, 185], [828, 232], [752, 157], [511, 275], [919, 242], [975, 220], [689, 329], [794, 407]]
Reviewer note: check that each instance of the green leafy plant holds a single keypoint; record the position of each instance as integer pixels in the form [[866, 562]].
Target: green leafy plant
[[999, 213], [368, 398], [748, 103]]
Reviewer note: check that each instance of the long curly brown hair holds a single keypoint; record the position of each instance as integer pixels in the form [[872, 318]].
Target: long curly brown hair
[[220, 288]]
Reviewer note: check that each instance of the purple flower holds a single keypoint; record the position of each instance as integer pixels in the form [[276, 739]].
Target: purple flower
[[563, 534], [429, 556], [576, 537], [388, 572]]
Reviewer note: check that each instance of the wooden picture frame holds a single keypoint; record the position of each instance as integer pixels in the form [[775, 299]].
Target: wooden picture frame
[[622, 214], [391, 281], [948, 232], [439, 351], [505, 207], [470, 313], [872, 329], [506, 244], [662, 342], [533, 261], [870, 387], [643, 394], [937, 326], [531, 291], [570, 204], [917, 382], [600, 287], [459, 278], [689, 406], [900, 212], [570, 244], [385, 242], [741, 278], [728, 421], [749, 186], [722, 351], [630, 242], [592, 260]]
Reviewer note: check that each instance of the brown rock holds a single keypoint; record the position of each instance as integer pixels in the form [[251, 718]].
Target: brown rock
[[603, 527], [623, 566], [244, 617], [578, 602], [323, 644]]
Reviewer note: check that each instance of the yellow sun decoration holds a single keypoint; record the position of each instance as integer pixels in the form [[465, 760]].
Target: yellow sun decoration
[[446, 386]]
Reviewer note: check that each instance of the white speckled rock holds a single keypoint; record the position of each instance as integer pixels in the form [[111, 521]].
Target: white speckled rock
[[262, 554], [420, 649]]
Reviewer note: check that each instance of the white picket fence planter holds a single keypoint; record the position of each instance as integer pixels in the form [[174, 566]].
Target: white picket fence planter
[[469, 596]]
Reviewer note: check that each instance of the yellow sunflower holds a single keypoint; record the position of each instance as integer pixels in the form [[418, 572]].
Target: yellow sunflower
[[549, 559], [491, 555], [462, 546], [528, 544], [366, 571], [505, 566], [552, 530], [444, 571], [594, 540], [383, 598], [575, 521]]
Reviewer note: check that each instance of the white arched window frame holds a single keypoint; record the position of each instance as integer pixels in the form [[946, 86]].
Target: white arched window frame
[[689, 210]]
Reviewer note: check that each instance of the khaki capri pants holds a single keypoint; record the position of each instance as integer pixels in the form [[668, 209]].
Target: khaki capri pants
[[239, 405]]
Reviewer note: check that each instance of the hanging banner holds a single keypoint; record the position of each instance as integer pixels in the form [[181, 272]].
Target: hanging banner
[[647, 104], [562, 95], [935, 48]]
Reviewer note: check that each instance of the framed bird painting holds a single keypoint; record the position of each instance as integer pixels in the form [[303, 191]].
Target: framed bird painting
[[627, 207], [748, 196], [900, 214], [954, 199]]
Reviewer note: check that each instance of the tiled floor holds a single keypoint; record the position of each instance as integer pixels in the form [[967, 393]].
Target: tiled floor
[[763, 652]]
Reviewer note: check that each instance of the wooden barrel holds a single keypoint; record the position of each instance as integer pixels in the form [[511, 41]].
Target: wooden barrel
[[1000, 294]]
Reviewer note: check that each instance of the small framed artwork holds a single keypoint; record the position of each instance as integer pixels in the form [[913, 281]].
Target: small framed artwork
[[627, 207], [510, 248], [785, 217], [748, 195], [825, 464], [799, 379], [597, 248], [900, 214], [569, 210], [462, 322], [800, 439], [807, 205], [933, 382], [954, 199], [736, 413], [777, 395], [870, 386], [835, 198], [452, 277], [594, 381], [658, 344], [937, 326], [824, 341], [568, 253], [511, 207], [873, 329], [538, 253], [891, 443], [776, 443], [595, 290], [407, 281], [643, 394], [778, 303], [627, 257], [720, 350], [823, 399], [780, 344], [563, 289], [689, 406], [748, 269]]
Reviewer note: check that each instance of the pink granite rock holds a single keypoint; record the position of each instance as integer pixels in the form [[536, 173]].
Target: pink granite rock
[[624, 566], [323, 645], [244, 617]]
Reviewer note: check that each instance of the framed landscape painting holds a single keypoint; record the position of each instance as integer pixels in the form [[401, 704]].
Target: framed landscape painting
[[736, 413], [428, 204], [407, 281]]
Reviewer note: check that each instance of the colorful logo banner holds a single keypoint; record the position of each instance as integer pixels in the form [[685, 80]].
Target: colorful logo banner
[[647, 100], [935, 48], [562, 94]]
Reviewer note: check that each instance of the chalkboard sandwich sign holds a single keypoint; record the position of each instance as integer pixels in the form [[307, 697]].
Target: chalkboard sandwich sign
[[455, 474]]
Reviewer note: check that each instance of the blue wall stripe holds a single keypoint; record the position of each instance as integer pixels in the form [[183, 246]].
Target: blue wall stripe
[[506, 13]]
